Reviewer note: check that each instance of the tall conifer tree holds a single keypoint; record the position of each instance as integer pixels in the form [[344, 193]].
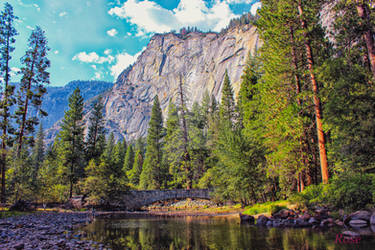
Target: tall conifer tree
[[32, 87], [152, 170], [71, 148], [7, 34]]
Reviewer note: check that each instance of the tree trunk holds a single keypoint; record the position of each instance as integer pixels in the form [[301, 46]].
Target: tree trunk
[[303, 137], [317, 104], [5, 128], [24, 115], [368, 36]]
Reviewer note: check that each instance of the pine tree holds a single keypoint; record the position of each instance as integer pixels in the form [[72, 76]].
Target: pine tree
[[129, 159], [152, 170], [227, 105], [37, 155], [7, 34], [134, 174], [95, 141], [173, 150], [32, 87], [71, 147]]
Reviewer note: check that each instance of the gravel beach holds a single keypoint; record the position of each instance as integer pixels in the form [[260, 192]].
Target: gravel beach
[[46, 230]]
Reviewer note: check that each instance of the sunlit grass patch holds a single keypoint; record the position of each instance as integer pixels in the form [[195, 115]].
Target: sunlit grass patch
[[266, 208]]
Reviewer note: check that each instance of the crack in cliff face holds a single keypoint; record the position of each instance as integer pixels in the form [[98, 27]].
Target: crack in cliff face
[[229, 57]]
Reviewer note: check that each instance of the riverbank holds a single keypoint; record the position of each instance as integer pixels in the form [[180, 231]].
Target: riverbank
[[46, 230]]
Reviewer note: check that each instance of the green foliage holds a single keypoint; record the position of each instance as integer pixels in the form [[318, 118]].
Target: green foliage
[[32, 86], [95, 141], [129, 159], [71, 145], [350, 191], [313, 195], [134, 174], [267, 207], [153, 173]]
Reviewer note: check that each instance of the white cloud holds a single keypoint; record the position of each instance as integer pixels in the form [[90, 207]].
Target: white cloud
[[151, 17], [237, 1], [56, 52], [92, 57], [93, 66], [29, 27], [123, 60], [255, 7], [37, 7], [128, 34], [98, 75], [112, 32], [62, 14], [107, 51], [14, 71]]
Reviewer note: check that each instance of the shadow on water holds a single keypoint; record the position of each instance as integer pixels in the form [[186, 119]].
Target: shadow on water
[[211, 233]]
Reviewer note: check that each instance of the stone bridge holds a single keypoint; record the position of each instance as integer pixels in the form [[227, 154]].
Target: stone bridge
[[135, 199]]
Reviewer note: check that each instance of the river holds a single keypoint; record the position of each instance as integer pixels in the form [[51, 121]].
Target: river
[[213, 233]]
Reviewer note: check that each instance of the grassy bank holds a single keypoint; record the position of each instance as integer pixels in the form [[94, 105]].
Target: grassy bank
[[267, 208]]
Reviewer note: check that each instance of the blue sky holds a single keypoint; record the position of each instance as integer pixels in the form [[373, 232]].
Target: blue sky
[[97, 39]]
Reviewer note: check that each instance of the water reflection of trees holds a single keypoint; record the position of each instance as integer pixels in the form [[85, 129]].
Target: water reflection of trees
[[185, 233]]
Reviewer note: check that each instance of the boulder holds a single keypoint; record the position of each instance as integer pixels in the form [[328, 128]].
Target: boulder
[[350, 234], [339, 223], [305, 217], [247, 219], [262, 220], [358, 223], [372, 219], [313, 221], [300, 222], [284, 214], [326, 222], [361, 215]]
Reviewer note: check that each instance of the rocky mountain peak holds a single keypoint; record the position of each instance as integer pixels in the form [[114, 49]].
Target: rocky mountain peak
[[201, 59]]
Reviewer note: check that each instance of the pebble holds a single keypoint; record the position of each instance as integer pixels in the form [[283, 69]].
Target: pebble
[[44, 230]]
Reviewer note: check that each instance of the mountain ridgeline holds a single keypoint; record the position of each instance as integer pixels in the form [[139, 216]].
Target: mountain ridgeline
[[197, 59], [55, 102]]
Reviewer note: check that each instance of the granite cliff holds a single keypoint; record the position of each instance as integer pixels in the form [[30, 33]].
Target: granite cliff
[[201, 58]]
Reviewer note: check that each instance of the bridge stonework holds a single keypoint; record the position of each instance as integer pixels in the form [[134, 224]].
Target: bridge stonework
[[134, 199]]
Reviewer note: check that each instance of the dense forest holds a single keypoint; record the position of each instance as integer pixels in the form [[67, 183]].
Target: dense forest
[[302, 125]]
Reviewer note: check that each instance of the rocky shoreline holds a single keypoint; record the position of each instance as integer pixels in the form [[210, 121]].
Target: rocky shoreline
[[46, 230], [359, 223]]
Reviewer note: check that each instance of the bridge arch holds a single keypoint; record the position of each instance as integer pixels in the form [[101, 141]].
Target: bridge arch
[[135, 199]]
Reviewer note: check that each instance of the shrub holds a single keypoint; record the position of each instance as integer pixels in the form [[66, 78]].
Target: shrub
[[352, 191], [313, 195]]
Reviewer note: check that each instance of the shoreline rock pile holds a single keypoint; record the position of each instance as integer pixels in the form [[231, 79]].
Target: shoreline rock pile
[[45, 230], [320, 219]]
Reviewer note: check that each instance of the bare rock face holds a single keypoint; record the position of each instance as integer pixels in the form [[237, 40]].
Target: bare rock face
[[200, 58]]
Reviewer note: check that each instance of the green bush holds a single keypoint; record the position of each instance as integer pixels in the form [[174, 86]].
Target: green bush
[[350, 191], [313, 195]]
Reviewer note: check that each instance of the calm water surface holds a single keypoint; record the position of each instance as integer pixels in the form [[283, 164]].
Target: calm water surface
[[212, 233]]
